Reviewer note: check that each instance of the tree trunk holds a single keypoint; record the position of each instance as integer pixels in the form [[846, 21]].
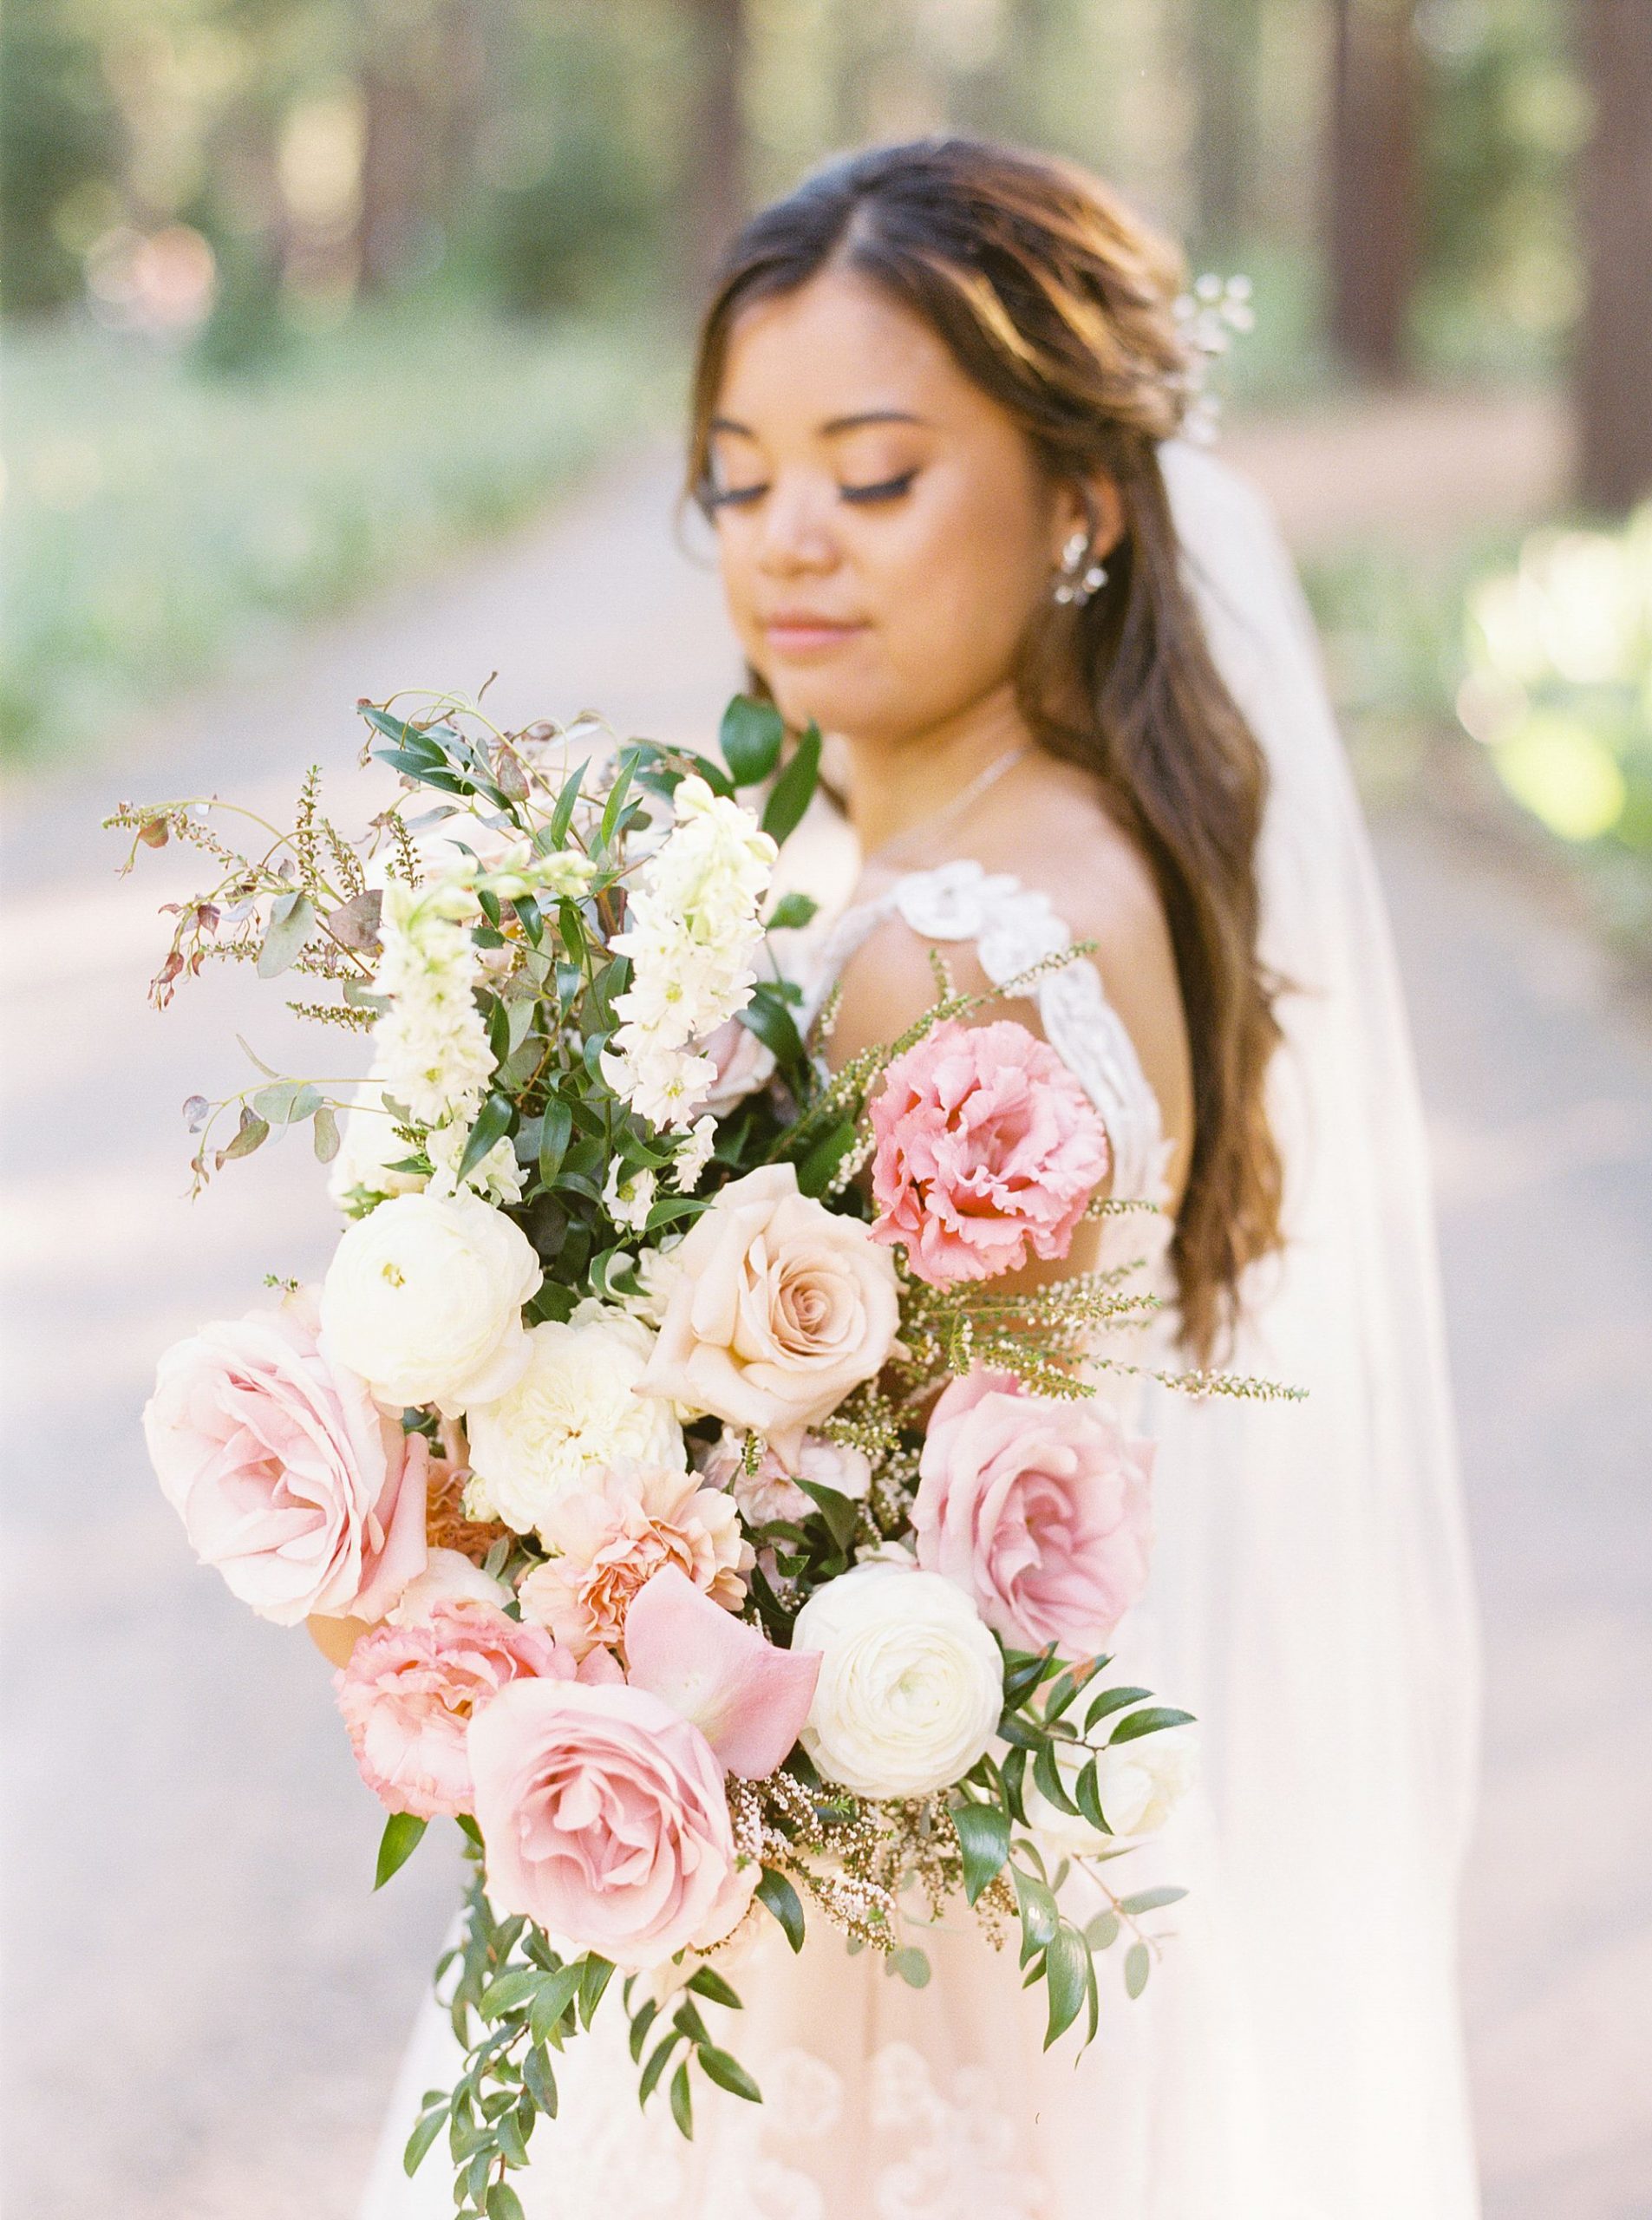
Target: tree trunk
[[1373, 182], [1223, 37], [1614, 381], [715, 203]]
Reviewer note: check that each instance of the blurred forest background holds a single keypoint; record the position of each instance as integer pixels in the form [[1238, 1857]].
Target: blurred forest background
[[302, 293]]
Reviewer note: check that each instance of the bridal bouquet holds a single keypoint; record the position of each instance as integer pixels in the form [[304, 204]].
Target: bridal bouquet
[[732, 1534]]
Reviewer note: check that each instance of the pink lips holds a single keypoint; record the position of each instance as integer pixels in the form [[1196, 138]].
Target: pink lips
[[802, 632]]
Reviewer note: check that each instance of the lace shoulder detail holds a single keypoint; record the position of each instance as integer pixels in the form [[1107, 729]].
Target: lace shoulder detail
[[1013, 927]]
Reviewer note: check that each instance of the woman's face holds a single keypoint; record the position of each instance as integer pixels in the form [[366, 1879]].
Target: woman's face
[[885, 531]]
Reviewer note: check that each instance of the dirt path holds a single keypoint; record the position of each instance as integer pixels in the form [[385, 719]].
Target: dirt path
[[214, 1997]]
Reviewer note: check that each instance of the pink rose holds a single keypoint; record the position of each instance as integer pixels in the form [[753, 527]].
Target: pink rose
[[285, 1472], [618, 1534], [605, 1821], [409, 1693], [1038, 1508], [985, 1143], [778, 1308]]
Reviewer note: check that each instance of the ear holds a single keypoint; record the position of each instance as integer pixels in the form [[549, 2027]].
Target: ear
[[1092, 505]]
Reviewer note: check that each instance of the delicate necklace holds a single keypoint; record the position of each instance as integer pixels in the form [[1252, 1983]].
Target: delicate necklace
[[951, 810]]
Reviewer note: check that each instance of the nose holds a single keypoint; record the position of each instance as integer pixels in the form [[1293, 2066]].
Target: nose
[[797, 538]]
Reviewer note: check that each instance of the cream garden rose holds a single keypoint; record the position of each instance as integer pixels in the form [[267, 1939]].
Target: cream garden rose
[[911, 1684], [573, 1410], [423, 1299], [778, 1308]]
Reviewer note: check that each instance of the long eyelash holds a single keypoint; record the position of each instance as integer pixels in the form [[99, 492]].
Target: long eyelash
[[887, 489], [732, 497]]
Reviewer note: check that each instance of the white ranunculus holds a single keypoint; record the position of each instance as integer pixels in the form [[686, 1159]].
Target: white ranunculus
[[574, 1411], [911, 1683], [424, 1297], [1140, 1783]]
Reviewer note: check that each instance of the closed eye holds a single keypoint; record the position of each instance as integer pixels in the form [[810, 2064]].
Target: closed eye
[[886, 489], [734, 497]]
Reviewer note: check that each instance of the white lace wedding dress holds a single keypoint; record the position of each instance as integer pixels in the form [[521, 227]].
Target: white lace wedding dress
[[1297, 2055]]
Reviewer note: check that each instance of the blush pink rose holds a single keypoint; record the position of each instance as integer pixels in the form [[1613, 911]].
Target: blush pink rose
[[778, 1307], [1038, 1507], [986, 1145], [288, 1477], [611, 1538], [409, 1693], [605, 1821]]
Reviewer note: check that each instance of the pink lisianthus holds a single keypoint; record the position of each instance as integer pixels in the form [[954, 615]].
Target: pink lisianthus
[[1038, 1508], [288, 1477], [986, 1145], [605, 1821], [613, 1538], [409, 1693], [772, 1491]]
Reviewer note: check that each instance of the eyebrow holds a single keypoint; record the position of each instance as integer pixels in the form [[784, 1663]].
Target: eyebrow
[[830, 430]]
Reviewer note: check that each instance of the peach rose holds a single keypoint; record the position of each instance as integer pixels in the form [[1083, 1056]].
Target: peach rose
[[614, 1537], [409, 1693], [986, 1145], [1037, 1507], [605, 1821], [779, 1306], [285, 1472]]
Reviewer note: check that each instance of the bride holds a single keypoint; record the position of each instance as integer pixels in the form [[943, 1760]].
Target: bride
[[1076, 693]]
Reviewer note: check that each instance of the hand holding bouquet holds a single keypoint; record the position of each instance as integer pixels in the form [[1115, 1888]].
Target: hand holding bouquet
[[738, 1543]]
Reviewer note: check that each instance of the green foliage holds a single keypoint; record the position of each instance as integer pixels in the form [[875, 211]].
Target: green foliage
[[158, 520]]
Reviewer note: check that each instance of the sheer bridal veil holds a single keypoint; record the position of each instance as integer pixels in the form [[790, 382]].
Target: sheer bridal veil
[[1313, 1573]]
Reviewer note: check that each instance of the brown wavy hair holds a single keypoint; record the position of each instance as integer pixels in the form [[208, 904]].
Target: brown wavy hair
[[1058, 301]]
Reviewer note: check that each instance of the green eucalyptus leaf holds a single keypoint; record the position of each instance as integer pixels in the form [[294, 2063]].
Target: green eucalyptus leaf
[[910, 1965], [1137, 1967], [641, 2022], [503, 2202], [324, 1134], [1103, 1931], [289, 1102], [401, 1836], [1152, 1900], [794, 790], [751, 738], [1039, 1916], [292, 919]]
